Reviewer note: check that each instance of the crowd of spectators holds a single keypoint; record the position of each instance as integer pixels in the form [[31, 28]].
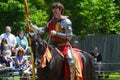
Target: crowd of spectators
[[13, 49]]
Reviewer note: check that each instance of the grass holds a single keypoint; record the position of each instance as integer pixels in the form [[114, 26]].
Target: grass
[[112, 76]]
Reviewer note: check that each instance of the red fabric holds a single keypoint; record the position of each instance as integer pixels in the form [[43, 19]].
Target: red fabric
[[80, 61], [64, 50], [78, 49], [51, 25], [66, 67]]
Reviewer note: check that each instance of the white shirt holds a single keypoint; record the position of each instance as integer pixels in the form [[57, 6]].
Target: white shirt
[[11, 39]]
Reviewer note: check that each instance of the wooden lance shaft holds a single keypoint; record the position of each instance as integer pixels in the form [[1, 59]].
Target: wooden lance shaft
[[31, 53]]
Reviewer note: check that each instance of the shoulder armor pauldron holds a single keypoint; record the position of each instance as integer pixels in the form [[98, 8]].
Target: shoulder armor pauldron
[[65, 23]]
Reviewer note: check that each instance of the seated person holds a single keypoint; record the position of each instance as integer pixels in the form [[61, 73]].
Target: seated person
[[97, 57], [11, 40], [5, 53], [23, 42], [4, 41], [21, 63]]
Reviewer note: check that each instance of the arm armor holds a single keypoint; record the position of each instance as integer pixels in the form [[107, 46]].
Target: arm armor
[[67, 26], [40, 30]]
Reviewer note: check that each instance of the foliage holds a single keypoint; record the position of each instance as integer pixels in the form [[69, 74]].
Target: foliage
[[12, 13], [99, 16], [87, 16], [37, 12]]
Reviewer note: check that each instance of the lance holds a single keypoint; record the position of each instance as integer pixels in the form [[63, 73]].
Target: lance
[[32, 58]]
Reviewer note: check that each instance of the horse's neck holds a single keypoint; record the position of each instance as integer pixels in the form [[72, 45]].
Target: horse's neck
[[52, 49]]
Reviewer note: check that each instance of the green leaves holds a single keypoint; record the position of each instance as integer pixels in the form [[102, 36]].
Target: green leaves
[[99, 16], [87, 16], [12, 13]]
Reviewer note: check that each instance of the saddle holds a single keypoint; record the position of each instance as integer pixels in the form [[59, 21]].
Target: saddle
[[78, 65]]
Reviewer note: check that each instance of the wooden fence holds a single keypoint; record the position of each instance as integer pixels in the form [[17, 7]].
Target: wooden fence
[[108, 45]]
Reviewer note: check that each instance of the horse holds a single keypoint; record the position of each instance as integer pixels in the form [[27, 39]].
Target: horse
[[89, 71], [54, 69]]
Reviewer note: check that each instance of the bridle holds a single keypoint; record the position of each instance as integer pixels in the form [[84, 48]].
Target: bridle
[[39, 48]]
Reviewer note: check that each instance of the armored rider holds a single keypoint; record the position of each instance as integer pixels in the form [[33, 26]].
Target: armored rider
[[59, 29]]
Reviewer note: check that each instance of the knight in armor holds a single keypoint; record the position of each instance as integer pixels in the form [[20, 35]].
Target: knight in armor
[[59, 29]]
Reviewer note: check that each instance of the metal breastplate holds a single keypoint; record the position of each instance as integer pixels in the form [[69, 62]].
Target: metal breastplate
[[60, 27]]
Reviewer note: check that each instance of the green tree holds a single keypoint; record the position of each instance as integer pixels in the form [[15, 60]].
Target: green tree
[[12, 13], [87, 16], [99, 16]]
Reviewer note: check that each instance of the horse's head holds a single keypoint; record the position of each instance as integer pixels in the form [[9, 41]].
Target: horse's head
[[38, 45]]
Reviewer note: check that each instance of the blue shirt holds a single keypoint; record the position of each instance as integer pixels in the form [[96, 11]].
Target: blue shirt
[[21, 60], [22, 41]]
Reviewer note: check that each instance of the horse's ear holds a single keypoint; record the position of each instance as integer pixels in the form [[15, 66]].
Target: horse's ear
[[31, 34]]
